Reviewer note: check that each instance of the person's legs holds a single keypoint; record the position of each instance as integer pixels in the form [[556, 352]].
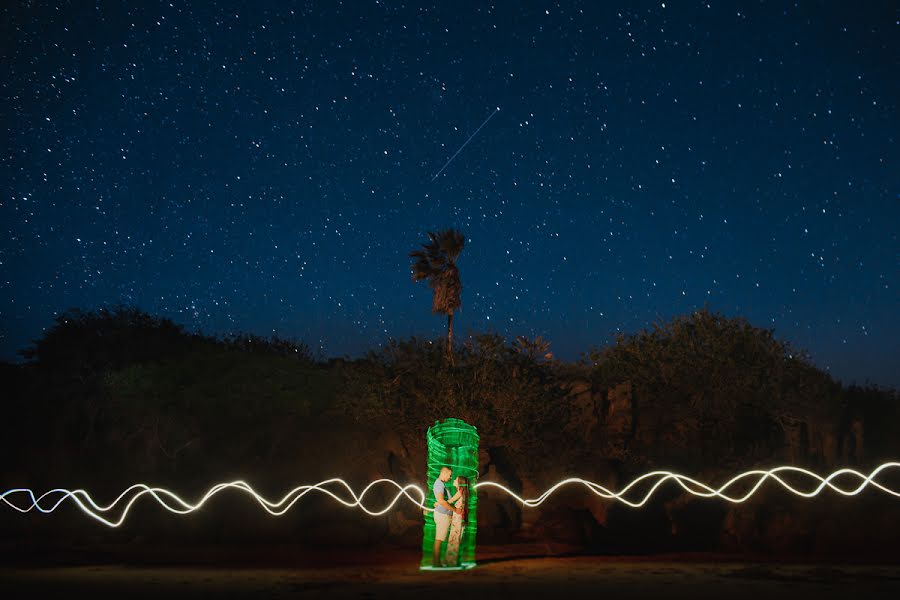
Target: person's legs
[[436, 557], [451, 552], [441, 527]]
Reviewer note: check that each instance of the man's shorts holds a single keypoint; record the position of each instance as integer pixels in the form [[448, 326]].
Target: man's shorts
[[441, 526]]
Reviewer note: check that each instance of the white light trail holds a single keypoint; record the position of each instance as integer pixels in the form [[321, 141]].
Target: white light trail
[[496, 110], [698, 488], [173, 503], [83, 499]]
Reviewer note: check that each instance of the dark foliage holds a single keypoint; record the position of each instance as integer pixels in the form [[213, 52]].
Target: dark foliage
[[109, 397], [515, 398]]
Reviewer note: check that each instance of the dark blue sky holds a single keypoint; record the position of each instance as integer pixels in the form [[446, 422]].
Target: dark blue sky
[[268, 168]]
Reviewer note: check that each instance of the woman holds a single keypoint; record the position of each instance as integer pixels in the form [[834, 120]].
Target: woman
[[458, 521]]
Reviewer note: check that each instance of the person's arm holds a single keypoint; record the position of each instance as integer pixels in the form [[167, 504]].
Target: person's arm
[[440, 500], [445, 504], [453, 500]]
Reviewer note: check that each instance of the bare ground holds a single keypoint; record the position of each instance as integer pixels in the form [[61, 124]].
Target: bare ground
[[518, 571]]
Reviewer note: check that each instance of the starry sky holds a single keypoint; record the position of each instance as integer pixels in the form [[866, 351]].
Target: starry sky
[[267, 167]]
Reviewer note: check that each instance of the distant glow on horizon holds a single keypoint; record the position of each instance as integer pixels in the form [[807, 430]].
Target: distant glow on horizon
[[417, 496]]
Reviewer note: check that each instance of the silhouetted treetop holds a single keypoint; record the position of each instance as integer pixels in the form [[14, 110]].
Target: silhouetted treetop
[[82, 343], [436, 263]]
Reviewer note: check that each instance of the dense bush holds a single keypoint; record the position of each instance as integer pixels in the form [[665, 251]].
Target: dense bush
[[734, 384], [113, 396], [515, 398]]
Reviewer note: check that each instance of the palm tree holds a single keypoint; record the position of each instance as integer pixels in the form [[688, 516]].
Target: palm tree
[[436, 262]]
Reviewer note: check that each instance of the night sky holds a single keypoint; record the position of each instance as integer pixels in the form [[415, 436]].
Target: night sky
[[267, 169]]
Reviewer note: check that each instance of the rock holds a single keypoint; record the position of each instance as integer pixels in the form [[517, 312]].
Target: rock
[[484, 461], [585, 411], [795, 432], [619, 415], [405, 525], [500, 516], [829, 445], [852, 450], [619, 419], [579, 386]]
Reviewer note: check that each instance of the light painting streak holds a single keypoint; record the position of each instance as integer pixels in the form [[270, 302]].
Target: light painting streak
[[496, 110], [82, 498], [704, 491], [173, 503]]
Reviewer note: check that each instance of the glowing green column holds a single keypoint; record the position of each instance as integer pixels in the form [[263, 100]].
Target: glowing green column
[[452, 443]]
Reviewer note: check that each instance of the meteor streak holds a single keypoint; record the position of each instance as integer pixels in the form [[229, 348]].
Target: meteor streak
[[496, 110], [173, 503]]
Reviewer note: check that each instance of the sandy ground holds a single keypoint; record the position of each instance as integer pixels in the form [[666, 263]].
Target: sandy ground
[[502, 571]]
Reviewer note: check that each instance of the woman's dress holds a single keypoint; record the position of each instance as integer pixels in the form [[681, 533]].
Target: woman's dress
[[451, 556]]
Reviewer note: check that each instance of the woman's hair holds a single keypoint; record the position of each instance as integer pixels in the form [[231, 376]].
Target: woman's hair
[[464, 495]]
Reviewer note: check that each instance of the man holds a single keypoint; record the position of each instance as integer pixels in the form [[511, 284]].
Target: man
[[443, 510]]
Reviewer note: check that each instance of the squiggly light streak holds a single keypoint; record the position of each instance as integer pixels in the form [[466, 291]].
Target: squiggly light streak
[[706, 491], [692, 486], [274, 508]]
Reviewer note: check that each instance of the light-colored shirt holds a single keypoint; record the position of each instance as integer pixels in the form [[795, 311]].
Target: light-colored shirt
[[440, 491]]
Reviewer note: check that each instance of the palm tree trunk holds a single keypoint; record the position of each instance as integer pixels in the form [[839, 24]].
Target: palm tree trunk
[[450, 336]]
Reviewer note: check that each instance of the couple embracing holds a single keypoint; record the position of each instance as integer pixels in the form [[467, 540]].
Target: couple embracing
[[451, 515]]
